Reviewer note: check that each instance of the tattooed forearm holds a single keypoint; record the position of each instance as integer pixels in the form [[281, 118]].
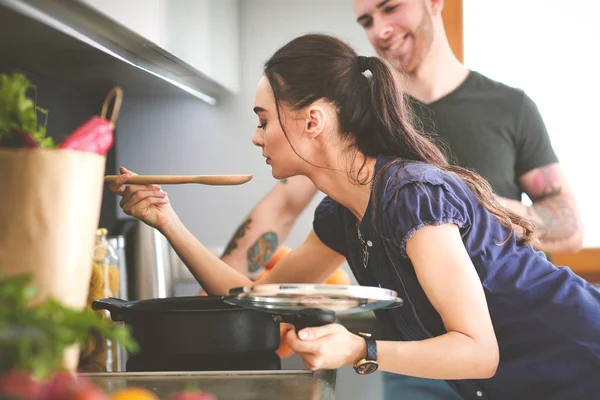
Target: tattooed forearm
[[239, 233], [261, 251], [554, 208], [559, 217]]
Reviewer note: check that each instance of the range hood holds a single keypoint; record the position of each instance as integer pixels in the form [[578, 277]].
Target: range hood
[[70, 41]]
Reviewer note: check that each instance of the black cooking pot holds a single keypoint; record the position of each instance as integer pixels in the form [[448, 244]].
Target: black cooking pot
[[201, 325]]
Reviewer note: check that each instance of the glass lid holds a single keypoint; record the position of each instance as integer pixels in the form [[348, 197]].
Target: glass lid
[[289, 298]]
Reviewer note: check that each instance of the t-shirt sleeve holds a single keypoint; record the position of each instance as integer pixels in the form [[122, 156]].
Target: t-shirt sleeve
[[534, 148], [421, 204], [328, 225]]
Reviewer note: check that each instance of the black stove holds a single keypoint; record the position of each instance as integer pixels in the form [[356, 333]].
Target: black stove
[[222, 362]]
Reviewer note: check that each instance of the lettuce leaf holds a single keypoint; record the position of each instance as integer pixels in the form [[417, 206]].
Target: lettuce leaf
[[34, 338], [17, 111]]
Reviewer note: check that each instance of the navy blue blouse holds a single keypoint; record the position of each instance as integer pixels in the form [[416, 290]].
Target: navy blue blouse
[[546, 318]]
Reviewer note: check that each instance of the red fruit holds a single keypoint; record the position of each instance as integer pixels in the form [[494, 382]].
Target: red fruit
[[95, 135], [24, 139], [60, 386], [19, 139], [20, 384], [193, 395]]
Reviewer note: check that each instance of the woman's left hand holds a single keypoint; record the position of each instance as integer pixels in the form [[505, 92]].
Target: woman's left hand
[[327, 347]]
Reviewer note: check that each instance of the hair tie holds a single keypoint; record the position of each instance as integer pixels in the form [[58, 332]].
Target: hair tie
[[363, 66], [363, 63]]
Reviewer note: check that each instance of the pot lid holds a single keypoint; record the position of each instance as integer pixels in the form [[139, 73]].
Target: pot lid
[[290, 298]]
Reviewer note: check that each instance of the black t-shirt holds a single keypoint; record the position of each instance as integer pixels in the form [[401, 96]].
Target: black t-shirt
[[491, 128]]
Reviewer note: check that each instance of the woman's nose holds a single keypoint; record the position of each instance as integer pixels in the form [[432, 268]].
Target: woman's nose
[[257, 138]]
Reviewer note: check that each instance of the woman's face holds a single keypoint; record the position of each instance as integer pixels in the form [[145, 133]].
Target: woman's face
[[270, 137]]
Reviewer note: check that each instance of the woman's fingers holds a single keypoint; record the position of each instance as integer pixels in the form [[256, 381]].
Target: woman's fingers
[[141, 209], [133, 196]]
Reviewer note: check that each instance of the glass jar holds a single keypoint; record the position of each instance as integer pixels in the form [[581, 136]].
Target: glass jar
[[100, 354]]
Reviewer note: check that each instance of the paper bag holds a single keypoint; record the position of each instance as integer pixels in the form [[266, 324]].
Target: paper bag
[[50, 204]]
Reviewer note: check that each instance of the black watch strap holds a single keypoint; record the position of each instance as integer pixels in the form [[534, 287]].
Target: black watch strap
[[371, 347]]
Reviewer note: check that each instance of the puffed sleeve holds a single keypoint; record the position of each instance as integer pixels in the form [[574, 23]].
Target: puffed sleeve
[[328, 224], [419, 204]]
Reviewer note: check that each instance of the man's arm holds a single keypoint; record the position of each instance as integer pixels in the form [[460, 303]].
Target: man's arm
[[554, 209], [267, 225]]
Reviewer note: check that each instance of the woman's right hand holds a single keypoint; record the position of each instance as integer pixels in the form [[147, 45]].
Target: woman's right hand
[[148, 203]]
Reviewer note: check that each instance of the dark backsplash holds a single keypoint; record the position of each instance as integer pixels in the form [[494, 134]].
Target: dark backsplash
[[68, 107]]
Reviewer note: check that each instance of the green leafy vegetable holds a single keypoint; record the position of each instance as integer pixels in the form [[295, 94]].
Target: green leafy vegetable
[[17, 111], [34, 338]]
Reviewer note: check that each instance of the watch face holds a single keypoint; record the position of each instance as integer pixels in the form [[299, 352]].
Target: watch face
[[366, 367]]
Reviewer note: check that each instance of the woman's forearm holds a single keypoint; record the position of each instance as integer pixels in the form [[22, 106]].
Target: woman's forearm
[[449, 356], [215, 277]]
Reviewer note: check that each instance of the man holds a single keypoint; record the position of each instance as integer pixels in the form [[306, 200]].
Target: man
[[487, 126]]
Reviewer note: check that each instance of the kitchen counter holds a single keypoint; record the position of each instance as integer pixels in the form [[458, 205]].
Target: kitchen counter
[[246, 385]]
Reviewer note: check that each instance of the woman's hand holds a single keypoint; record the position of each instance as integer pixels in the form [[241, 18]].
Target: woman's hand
[[327, 347], [148, 203]]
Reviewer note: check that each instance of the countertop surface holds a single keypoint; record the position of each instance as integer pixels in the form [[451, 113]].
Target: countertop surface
[[246, 385]]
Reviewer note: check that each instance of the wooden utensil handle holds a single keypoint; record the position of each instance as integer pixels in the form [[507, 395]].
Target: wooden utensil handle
[[181, 179]]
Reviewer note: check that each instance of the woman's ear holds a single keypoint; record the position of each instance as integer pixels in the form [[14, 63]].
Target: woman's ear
[[316, 118]]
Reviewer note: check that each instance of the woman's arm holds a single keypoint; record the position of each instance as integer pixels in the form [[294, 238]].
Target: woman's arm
[[310, 262], [469, 348]]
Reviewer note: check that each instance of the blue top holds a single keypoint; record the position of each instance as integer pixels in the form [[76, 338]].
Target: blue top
[[546, 318]]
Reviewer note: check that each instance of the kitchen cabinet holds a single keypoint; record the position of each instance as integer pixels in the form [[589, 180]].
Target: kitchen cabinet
[[585, 263], [202, 33], [453, 21]]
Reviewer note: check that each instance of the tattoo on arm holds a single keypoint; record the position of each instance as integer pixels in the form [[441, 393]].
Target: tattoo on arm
[[558, 216], [555, 208], [261, 251], [546, 183], [239, 233]]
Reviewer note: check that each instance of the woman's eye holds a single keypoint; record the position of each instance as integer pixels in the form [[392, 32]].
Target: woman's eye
[[389, 9], [262, 126]]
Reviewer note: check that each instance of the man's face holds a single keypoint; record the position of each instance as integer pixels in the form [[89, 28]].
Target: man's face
[[401, 31]]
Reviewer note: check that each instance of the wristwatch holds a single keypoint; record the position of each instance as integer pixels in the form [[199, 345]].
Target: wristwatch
[[368, 364]]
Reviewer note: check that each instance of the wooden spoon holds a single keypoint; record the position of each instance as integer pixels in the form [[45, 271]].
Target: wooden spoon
[[179, 179]]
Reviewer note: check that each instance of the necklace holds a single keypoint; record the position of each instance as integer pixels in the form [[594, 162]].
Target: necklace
[[364, 246]]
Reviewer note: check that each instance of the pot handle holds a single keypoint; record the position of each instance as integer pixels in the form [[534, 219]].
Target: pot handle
[[114, 306], [309, 317]]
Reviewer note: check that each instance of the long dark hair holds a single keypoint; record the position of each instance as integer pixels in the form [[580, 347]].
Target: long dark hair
[[372, 112]]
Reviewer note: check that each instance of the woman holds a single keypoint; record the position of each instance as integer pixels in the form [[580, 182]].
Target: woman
[[483, 310]]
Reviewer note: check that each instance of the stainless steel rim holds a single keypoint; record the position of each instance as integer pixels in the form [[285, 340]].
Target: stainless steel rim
[[341, 299]]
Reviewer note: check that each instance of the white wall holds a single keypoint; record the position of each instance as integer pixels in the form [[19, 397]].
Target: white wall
[[549, 48]]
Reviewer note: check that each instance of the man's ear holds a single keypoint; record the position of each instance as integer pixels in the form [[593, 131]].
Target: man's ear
[[316, 118]]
